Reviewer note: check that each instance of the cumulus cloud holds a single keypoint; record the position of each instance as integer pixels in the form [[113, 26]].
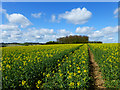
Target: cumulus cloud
[[11, 32], [44, 34], [63, 32], [109, 40], [36, 15], [11, 35], [39, 35], [84, 30], [76, 16], [110, 30], [96, 35], [46, 31], [18, 19], [107, 33]]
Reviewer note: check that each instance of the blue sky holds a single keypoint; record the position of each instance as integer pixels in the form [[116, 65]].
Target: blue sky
[[46, 21]]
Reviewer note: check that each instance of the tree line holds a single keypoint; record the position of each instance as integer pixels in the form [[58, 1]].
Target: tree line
[[73, 40]]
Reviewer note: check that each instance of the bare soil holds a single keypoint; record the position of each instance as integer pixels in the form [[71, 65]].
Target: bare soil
[[98, 82]]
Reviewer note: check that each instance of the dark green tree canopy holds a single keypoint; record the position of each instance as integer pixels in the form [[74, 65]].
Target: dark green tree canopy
[[73, 39]]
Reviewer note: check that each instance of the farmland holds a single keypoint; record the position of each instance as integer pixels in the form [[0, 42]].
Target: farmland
[[58, 66], [107, 58]]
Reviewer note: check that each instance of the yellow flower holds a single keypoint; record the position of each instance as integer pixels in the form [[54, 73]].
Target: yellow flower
[[29, 60], [53, 72], [24, 63], [47, 55], [61, 74], [20, 67], [71, 84], [37, 86], [59, 70], [83, 61], [39, 82], [8, 66], [58, 65], [78, 71], [76, 64], [85, 70], [70, 65], [43, 74], [4, 61], [78, 67], [48, 75], [74, 74], [23, 82], [6, 77], [78, 83], [69, 77], [110, 60], [68, 72], [66, 57]]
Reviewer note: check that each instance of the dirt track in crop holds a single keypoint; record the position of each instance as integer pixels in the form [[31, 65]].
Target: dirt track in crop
[[97, 81]]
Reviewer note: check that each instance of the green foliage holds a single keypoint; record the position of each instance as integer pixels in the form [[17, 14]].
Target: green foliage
[[23, 66], [73, 39], [71, 72], [52, 42]]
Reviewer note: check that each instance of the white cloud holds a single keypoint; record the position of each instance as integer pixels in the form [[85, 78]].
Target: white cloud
[[46, 31], [2, 11], [116, 12], [53, 18], [9, 27], [76, 16], [36, 15], [110, 30], [44, 34], [5, 34], [96, 34], [110, 38], [63, 32], [39, 35], [18, 19], [11, 35], [84, 30], [105, 34], [11, 32]]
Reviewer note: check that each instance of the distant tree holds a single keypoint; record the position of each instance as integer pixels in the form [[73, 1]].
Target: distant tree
[[51, 42], [73, 39], [95, 42]]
